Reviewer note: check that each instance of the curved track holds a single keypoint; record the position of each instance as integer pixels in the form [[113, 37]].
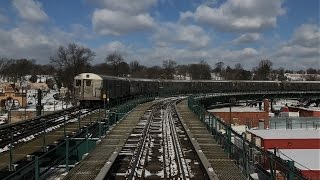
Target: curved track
[[158, 148]]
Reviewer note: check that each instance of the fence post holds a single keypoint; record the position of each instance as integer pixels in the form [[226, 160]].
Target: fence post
[[100, 129], [79, 126], [64, 125], [244, 138], [67, 154], [36, 168], [291, 169], [229, 141], [87, 140], [44, 137]]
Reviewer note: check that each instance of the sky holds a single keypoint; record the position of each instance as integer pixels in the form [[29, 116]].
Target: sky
[[287, 32]]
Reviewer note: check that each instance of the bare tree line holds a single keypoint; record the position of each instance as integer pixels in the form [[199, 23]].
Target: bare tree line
[[74, 59]]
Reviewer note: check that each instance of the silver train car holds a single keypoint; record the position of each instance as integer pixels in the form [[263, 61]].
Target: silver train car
[[92, 88]]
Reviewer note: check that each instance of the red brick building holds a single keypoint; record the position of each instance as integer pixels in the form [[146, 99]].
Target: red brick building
[[300, 145], [244, 115], [306, 112]]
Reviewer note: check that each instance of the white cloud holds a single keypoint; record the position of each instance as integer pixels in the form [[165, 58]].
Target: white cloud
[[239, 15], [302, 50], [305, 43], [185, 15], [30, 42], [190, 35], [119, 17], [298, 51], [247, 38], [111, 47], [112, 22], [306, 35], [129, 6], [30, 10]]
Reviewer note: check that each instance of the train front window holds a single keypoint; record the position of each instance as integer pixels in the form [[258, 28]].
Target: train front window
[[78, 82], [88, 82]]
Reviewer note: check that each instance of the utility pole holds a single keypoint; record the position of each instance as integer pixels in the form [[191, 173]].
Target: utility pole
[[39, 106]]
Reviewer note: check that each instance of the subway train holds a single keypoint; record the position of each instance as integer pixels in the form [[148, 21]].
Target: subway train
[[92, 88]]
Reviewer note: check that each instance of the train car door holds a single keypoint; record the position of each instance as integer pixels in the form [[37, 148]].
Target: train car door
[[87, 89]]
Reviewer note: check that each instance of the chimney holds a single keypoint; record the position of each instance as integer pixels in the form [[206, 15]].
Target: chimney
[[266, 105]]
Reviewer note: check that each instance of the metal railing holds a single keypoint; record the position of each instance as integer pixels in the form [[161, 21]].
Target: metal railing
[[294, 123], [251, 159]]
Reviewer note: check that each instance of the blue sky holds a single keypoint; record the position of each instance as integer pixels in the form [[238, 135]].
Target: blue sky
[[233, 31]]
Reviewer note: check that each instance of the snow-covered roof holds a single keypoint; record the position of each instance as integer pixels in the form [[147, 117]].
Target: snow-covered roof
[[236, 109], [305, 159], [287, 133]]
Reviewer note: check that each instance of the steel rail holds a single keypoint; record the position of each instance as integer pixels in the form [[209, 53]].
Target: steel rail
[[21, 131], [176, 143], [136, 161]]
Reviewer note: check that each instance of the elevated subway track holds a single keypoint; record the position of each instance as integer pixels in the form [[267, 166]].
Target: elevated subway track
[[108, 148], [164, 149], [209, 98], [43, 137], [202, 140], [51, 149], [157, 146], [224, 167]]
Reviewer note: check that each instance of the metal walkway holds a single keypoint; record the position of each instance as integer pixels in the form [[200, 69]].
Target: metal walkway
[[223, 166], [108, 148]]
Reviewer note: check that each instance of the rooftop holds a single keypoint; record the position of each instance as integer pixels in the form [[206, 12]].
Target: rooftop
[[287, 133], [236, 109], [305, 159]]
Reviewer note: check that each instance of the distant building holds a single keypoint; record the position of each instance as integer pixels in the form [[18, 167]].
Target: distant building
[[42, 86], [181, 77], [244, 115], [306, 112], [295, 77], [300, 145], [12, 96], [300, 77], [216, 76]]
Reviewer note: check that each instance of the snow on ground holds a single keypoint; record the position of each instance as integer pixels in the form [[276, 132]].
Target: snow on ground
[[40, 78], [50, 104]]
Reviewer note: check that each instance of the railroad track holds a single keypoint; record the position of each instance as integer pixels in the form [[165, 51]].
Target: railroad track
[[90, 167], [26, 130], [224, 167], [43, 142], [158, 147]]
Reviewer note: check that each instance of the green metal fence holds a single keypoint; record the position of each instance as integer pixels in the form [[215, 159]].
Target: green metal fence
[[294, 123], [251, 159]]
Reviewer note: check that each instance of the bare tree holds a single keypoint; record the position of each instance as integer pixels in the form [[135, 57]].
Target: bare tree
[[263, 71], [169, 68], [312, 71], [218, 67], [124, 69], [182, 70], [102, 68], [154, 72], [200, 71], [70, 61], [137, 70], [115, 60]]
